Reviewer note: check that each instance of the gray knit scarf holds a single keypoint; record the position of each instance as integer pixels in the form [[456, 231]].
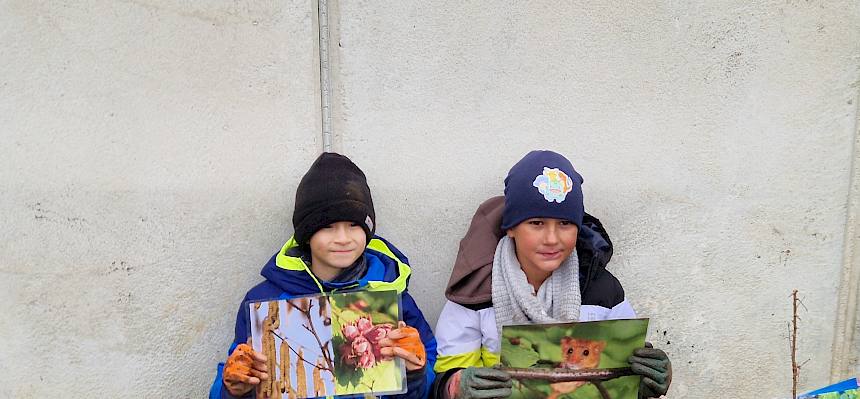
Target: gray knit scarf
[[557, 301]]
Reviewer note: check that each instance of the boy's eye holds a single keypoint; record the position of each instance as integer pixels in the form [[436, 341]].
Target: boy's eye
[[353, 224], [536, 222], [566, 223]]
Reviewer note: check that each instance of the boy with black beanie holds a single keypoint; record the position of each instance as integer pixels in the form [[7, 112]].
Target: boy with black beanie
[[333, 248], [334, 189]]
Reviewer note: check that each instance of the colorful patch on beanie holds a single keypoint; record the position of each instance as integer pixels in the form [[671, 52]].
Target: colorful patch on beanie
[[553, 184]]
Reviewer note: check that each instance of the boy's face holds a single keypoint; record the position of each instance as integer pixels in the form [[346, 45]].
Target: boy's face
[[336, 247], [542, 244]]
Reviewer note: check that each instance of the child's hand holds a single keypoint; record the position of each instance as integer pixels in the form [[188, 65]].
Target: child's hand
[[405, 343], [245, 369], [479, 383], [655, 368]]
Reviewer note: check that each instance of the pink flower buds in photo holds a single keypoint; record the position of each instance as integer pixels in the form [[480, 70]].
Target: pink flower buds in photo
[[361, 348]]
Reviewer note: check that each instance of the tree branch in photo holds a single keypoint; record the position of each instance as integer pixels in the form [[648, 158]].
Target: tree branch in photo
[[290, 347], [567, 375], [306, 311], [593, 376]]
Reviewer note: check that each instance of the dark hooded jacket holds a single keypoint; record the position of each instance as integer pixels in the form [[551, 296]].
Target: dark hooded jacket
[[471, 280], [466, 332]]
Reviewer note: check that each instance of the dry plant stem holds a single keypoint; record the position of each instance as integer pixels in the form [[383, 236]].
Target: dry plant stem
[[566, 375], [795, 370]]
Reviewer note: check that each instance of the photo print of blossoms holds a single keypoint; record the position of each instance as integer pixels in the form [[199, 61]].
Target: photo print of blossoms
[[600, 349], [328, 345]]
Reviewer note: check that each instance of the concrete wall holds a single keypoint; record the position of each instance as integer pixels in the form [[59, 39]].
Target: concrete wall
[[149, 151], [715, 139], [148, 160]]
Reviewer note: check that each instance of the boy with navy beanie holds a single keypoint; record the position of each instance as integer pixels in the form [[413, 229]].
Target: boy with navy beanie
[[557, 194], [531, 257], [333, 248]]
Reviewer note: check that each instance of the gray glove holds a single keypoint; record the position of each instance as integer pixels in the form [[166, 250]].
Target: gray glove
[[654, 367], [481, 383]]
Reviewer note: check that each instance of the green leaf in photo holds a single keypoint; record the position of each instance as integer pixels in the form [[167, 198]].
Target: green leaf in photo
[[518, 355]]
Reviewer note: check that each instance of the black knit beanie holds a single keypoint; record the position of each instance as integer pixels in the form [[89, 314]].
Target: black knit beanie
[[333, 190]]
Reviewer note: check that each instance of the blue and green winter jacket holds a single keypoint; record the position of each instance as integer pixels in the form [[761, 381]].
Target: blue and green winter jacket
[[288, 276]]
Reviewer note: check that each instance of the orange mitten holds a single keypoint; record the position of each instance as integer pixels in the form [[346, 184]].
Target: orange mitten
[[412, 343], [239, 363]]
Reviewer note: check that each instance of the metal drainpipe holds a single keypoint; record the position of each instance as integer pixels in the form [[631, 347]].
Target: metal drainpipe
[[325, 81], [844, 350]]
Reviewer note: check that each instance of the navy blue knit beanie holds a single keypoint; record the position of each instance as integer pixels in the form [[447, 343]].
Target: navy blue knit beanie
[[542, 184]]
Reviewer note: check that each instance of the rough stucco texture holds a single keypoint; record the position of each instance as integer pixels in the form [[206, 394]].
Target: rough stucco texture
[[149, 151], [715, 139], [148, 154]]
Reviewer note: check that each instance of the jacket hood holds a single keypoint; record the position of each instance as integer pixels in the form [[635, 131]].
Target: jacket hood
[[387, 268], [471, 279]]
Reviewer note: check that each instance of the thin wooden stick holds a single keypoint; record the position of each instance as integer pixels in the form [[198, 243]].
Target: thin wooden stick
[[795, 370], [567, 375]]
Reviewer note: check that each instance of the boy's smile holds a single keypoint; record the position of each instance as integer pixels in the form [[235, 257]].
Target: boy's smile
[[549, 255], [336, 247]]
